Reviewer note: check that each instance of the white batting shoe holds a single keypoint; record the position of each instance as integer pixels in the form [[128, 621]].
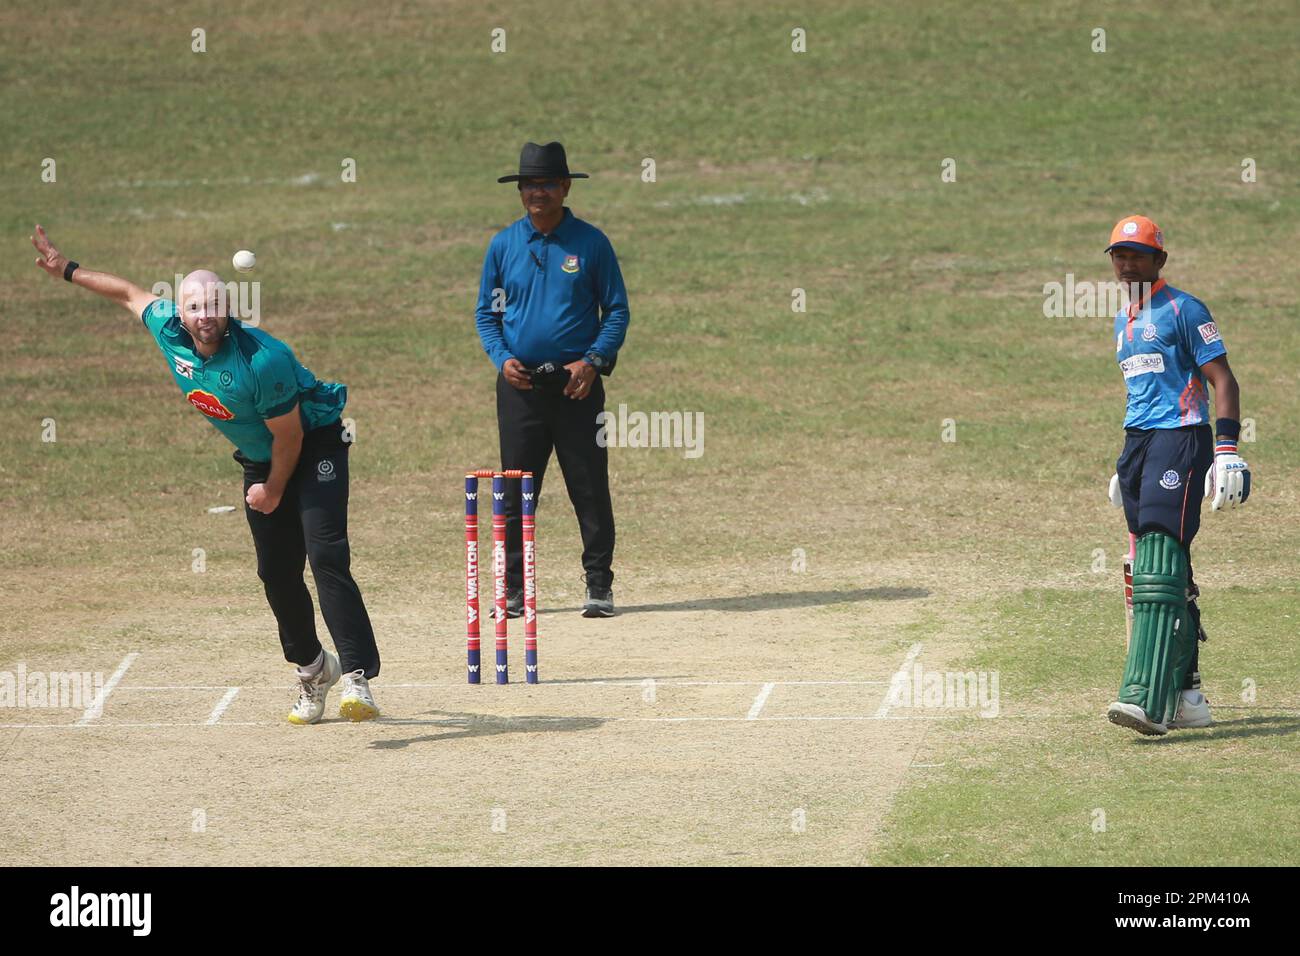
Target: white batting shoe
[[312, 691], [357, 703], [1134, 718], [1193, 711]]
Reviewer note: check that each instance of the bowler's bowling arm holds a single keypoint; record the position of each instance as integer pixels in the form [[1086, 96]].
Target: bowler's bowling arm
[[111, 287], [114, 288]]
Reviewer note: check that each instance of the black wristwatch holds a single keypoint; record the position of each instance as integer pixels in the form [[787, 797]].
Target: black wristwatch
[[596, 360]]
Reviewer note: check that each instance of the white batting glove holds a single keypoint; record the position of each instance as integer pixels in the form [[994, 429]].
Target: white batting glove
[[1115, 497], [1228, 479]]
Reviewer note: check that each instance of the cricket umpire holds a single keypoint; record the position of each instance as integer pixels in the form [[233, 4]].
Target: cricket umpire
[[1168, 347], [287, 431], [552, 314]]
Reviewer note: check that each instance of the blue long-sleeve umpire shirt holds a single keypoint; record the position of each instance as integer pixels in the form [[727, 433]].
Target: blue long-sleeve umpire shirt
[[564, 294]]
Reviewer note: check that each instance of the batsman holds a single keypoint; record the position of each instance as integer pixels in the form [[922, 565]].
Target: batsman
[[1168, 347]]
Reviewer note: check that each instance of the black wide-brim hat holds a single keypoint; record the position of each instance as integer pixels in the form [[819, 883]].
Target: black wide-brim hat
[[542, 162]]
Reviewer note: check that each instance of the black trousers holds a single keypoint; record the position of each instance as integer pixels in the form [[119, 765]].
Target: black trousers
[[311, 524], [1161, 479], [530, 424]]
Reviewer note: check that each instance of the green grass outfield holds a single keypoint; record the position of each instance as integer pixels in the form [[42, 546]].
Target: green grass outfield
[[819, 171]]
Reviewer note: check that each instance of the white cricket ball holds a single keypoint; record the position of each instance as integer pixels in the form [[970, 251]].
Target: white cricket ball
[[244, 261]]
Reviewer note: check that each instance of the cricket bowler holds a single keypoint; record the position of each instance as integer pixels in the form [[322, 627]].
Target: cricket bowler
[[288, 435], [1168, 347]]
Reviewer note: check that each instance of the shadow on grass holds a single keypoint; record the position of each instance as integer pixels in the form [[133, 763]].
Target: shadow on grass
[[1263, 726], [768, 602], [459, 726]]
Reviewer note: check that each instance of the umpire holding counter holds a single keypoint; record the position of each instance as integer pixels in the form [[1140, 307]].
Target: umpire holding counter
[[552, 314]]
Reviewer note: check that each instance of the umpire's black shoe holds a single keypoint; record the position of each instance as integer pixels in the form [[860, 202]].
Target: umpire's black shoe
[[514, 603], [599, 603]]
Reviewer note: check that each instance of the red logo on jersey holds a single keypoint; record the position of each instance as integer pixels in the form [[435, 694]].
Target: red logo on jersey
[[209, 405]]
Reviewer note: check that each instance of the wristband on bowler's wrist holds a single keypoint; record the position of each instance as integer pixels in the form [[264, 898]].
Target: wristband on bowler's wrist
[[70, 268]]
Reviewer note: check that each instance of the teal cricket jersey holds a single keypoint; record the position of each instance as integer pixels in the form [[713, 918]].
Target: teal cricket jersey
[[1160, 348], [253, 377]]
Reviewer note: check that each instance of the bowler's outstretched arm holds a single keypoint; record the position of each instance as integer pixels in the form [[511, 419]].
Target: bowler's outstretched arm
[[111, 287]]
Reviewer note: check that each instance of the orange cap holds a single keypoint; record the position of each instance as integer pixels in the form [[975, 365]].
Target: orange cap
[[1137, 232]]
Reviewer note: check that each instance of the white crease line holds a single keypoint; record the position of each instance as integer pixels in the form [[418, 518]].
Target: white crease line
[[756, 707], [561, 683], [462, 721], [96, 708], [900, 679], [231, 694]]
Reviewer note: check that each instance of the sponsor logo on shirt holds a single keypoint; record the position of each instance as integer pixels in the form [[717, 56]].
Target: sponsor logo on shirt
[[184, 368], [1144, 364], [1209, 332], [1171, 480], [209, 405], [570, 264]]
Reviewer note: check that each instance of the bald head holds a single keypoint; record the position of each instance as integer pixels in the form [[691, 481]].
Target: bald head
[[200, 286], [204, 305]]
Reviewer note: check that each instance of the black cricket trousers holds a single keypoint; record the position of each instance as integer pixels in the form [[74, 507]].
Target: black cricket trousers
[[1161, 479], [530, 423], [311, 524]]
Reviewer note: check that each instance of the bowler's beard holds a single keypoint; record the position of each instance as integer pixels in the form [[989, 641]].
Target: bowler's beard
[[212, 335]]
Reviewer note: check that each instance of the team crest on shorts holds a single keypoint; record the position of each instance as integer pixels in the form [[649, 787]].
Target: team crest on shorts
[[570, 264], [1171, 480], [325, 470], [209, 405]]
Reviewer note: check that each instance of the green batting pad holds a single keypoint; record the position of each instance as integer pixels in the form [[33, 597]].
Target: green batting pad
[[1163, 633]]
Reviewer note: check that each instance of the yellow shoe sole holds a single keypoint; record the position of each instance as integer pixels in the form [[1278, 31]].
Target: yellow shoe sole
[[299, 722], [357, 710]]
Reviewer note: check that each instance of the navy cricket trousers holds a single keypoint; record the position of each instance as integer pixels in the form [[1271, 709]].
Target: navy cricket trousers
[[1162, 480]]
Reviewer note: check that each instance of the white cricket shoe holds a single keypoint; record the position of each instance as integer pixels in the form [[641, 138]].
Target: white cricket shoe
[[1134, 718], [1193, 711], [311, 691], [357, 703]]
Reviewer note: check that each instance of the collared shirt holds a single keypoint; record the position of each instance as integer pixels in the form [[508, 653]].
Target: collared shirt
[[551, 298], [252, 377], [1160, 346]]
